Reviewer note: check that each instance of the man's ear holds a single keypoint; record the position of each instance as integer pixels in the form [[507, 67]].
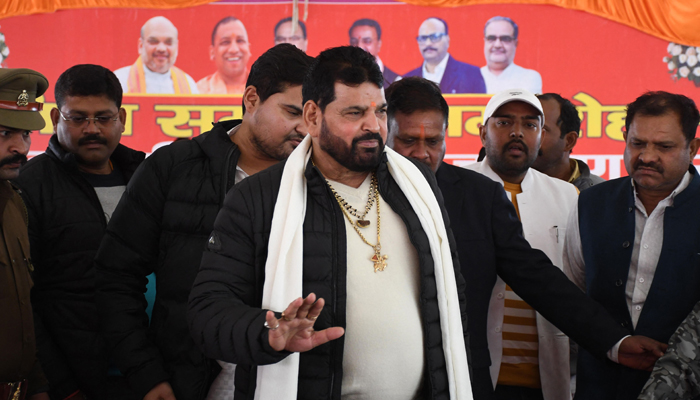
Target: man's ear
[[251, 100], [570, 138], [313, 118], [122, 118], [211, 52], [482, 132], [54, 118], [693, 145]]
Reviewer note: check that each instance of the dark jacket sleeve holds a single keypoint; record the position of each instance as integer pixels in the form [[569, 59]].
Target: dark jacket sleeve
[[546, 288], [37, 382], [127, 255], [53, 360], [224, 315], [459, 278]]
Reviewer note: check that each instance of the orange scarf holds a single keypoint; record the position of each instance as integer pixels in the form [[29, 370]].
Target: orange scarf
[[137, 79]]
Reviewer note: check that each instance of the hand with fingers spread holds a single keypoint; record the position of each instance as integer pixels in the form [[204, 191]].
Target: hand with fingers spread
[[295, 330]]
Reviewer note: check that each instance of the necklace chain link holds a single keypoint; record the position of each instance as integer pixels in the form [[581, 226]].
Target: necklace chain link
[[378, 259]]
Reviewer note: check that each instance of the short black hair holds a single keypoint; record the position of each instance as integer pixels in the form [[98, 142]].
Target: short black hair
[[367, 22], [302, 25], [568, 121], [444, 23], [413, 94], [659, 103], [348, 65], [88, 80], [499, 18], [224, 20], [278, 68]]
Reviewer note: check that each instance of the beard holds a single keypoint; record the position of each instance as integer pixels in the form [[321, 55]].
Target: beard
[[352, 157], [13, 159], [501, 163], [276, 151]]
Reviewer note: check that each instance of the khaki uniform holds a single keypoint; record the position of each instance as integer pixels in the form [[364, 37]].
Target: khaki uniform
[[17, 342]]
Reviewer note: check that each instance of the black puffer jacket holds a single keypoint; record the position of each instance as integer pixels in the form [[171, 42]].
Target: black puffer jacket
[[66, 225], [162, 225], [224, 315]]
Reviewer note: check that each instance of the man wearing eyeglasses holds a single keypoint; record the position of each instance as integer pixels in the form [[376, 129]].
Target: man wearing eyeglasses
[[285, 34], [439, 66], [366, 34], [71, 191], [500, 72]]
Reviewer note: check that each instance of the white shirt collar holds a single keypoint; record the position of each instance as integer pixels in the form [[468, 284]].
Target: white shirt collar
[[436, 76], [156, 76], [668, 201], [503, 73], [380, 63]]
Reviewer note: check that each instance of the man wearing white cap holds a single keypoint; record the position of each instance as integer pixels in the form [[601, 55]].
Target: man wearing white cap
[[529, 356]]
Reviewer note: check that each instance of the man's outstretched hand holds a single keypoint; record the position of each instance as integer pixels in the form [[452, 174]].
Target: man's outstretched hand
[[295, 330], [640, 352]]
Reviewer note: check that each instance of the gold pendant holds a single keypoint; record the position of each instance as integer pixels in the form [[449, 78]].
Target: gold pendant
[[379, 262], [362, 223]]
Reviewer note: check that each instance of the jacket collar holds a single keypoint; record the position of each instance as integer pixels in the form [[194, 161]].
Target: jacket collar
[[317, 185], [446, 174], [526, 184], [216, 144], [124, 158]]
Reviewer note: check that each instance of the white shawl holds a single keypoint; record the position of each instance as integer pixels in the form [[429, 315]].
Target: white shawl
[[283, 270]]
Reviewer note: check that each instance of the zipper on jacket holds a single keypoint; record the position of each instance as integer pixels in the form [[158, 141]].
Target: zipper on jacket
[[334, 255], [224, 177]]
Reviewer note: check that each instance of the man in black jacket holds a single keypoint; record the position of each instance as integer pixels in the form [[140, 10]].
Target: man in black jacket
[[164, 220], [391, 333], [70, 192], [490, 240]]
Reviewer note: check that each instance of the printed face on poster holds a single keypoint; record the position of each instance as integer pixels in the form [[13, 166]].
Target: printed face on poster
[[184, 69]]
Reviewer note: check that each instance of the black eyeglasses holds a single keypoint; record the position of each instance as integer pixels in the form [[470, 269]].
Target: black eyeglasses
[[503, 39], [435, 37]]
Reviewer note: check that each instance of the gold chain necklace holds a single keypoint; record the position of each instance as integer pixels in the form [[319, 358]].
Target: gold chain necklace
[[361, 221], [378, 259]]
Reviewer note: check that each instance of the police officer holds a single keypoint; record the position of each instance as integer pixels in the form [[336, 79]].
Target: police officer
[[20, 372]]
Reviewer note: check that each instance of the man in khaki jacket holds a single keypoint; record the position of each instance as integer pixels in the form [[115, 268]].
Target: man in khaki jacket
[[20, 373]]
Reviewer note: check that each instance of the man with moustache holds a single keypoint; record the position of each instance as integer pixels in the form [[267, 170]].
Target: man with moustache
[[230, 51], [633, 243], [71, 191], [490, 242], [154, 71], [345, 237], [163, 222], [20, 372], [500, 72], [560, 134], [285, 32], [439, 66], [367, 35], [529, 355]]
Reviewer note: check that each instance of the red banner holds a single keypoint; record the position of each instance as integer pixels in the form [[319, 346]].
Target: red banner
[[599, 64]]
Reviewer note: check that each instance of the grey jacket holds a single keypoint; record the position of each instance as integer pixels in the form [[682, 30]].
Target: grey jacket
[[586, 179]]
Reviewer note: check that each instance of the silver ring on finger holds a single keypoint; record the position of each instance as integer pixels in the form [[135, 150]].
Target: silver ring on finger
[[272, 328]]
